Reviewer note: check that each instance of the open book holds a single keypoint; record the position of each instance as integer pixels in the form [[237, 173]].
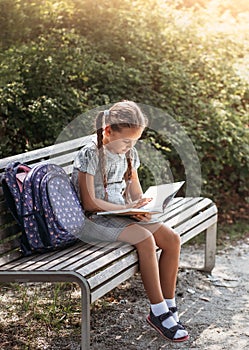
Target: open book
[[161, 196]]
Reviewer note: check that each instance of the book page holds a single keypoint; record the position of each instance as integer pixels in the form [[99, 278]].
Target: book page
[[161, 195]]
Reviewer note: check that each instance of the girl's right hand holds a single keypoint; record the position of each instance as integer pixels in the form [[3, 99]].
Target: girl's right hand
[[139, 203]]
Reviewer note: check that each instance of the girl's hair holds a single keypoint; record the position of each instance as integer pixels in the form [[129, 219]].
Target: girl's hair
[[121, 115]]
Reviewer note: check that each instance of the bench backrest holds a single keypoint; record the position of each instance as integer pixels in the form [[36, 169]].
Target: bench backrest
[[61, 154]]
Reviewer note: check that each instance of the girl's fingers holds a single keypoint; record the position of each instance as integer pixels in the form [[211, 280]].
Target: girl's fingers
[[142, 217]]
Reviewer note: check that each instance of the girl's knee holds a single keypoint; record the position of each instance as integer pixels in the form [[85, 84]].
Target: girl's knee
[[146, 242], [137, 235], [175, 237], [168, 238]]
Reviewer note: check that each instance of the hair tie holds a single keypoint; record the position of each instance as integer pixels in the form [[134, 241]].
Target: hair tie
[[106, 112]]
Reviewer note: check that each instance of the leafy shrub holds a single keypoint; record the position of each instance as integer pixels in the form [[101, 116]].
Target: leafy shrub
[[187, 58]]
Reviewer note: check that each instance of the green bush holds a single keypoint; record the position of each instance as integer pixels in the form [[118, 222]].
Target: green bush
[[59, 59]]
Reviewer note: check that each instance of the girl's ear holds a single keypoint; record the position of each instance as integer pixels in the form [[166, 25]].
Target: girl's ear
[[107, 130]]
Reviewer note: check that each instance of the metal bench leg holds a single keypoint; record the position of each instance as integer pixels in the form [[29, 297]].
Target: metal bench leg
[[210, 248], [85, 317]]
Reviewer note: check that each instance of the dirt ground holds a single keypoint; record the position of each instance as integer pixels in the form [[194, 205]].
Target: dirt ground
[[214, 309]]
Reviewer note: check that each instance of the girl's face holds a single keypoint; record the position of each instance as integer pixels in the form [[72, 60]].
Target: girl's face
[[121, 141]]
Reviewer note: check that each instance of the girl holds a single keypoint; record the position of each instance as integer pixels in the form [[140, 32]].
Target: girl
[[105, 176]]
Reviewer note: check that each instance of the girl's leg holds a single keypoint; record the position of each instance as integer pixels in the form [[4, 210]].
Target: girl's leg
[[158, 281], [170, 244], [144, 241]]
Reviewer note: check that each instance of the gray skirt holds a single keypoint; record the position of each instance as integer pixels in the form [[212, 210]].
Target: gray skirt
[[100, 228]]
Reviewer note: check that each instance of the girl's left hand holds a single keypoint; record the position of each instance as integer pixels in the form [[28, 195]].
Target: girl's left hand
[[142, 217]]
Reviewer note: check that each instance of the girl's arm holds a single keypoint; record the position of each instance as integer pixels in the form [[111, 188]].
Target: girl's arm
[[87, 195], [135, 189], [93, 204], [136, 192]]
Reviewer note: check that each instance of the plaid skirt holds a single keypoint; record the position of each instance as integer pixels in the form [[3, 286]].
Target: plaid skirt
[[100, 228]]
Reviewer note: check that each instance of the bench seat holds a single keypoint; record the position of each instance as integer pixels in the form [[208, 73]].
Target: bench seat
[[97, 268]]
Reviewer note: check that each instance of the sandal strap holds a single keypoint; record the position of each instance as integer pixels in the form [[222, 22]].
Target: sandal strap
[[156, 322], [173, 309], [164, 316]]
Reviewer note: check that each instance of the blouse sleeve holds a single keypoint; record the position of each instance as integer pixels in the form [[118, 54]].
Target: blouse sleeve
[[87, 160], [135, 158]]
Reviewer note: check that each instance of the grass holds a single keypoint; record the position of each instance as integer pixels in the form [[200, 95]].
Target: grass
[[31, 317]]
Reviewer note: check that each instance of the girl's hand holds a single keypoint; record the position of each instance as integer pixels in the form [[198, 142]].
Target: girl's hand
[[138, 203], [142, 217]]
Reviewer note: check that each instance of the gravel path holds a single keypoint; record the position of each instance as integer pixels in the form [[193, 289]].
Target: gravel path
[[213, 308]]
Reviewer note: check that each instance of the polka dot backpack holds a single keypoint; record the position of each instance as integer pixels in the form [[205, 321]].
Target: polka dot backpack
[[44, 203]]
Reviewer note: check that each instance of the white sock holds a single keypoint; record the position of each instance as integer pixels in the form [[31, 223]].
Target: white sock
[[172, 303], [161, 308]]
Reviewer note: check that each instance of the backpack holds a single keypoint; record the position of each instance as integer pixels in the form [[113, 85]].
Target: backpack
[[44, 203]]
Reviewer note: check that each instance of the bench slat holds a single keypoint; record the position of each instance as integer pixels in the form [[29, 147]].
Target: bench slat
[[9, 232], [34, 261], [80, 258], [196, 220], [96, 252], [108, 273], [10, 245], [176, 207], [61, 160], [185, 212], [104, 260], [122, 277], [44, 153], [3, 206], [9, 257], [22, 263], [6, 219], [200, 228]]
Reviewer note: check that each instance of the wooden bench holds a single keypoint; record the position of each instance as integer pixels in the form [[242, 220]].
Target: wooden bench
[[96, 268]]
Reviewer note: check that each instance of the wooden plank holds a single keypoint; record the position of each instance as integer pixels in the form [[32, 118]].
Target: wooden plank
[[115, 269], [38, 260], [68, 169], [109, 247], [174, 205], [201, 228], [196, 220], [105, 260], [46, 152], [9, 257], [181, 206], [10, 245], [3, 206], [6, 219], [61, 160], [9, 232], [113, 283], [187, 212], [80, 257]]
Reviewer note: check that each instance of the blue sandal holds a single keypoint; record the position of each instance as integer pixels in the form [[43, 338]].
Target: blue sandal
[[167, 333]]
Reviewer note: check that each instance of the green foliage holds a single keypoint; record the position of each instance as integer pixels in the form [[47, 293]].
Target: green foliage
[[59, 59]]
